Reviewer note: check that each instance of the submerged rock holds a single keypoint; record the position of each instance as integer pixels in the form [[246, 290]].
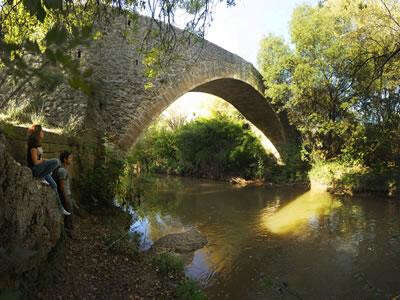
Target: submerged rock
[[241, 182], [30, 221], [188, 241]]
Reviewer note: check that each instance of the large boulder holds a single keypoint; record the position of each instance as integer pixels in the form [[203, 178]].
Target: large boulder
[[184, 242], [30, 220]]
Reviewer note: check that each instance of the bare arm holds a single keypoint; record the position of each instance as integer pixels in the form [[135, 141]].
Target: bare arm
[[35, 156], [61, 186]]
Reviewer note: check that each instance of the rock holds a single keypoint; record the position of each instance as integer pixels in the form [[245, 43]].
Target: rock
[[188, 241], [241, 182], [30, 221]]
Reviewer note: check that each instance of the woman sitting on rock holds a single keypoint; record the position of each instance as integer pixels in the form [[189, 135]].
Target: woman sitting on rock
[[41, 167]]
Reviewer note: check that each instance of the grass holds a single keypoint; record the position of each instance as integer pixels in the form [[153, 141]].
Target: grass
[[119, 239], [188, 289], [123, 243], [6, 121], [168, 263], [23, 117]]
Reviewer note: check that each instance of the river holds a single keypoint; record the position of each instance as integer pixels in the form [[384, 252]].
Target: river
[[279, 243]]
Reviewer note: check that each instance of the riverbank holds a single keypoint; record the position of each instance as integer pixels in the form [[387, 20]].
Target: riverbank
[[99, 263], [240, 182], [340, 179], [259, 239]]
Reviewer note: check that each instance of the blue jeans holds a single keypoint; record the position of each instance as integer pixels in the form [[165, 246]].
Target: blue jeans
[[44, 170]]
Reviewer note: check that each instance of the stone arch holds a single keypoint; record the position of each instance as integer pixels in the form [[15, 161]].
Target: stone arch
[[120, 107], [237, 82]]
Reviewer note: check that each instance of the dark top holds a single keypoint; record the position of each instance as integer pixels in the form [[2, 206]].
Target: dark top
[[60, 173], [32, 143]]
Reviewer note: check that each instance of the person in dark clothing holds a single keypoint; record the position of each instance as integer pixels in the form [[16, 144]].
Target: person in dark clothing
[[41, 167], [61, 177]]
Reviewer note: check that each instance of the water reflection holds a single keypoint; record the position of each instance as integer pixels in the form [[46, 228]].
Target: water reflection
[[201, 267], [305, 211], [155, 226], [317, 245]]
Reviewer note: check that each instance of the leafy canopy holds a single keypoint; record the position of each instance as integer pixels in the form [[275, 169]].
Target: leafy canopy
[[39, 38], [337, 80]]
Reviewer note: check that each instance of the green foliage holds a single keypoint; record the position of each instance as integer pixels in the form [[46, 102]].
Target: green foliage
[[31, 113], [188, 290], [378, 180], [37, 39], [328, 172], [123, 243], [344, 178], [10, 294], [98, 185], [168, 263], [53, 4], [217, 147], [295, 167], [35, 8], [41, 37], [337, 83], [274, 59], [133, 187]]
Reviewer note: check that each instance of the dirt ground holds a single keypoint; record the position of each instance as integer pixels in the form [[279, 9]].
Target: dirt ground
[[88, 268]]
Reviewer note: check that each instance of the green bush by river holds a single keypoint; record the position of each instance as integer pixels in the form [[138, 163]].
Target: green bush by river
[[217, 147]]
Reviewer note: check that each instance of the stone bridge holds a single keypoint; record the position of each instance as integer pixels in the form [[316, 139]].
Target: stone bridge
[[124, 108], [121, 108]]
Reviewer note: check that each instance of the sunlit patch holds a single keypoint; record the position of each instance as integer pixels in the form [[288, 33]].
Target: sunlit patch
[[299, 214], [194, 104]]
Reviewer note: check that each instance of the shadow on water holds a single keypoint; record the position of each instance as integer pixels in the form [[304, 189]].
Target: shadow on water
[[279, 243]]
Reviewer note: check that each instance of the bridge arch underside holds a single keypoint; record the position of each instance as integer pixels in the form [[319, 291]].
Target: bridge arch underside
[[251, 104], [243, 96]]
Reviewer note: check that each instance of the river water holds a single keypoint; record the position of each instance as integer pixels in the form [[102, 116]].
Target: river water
[[275, 243]]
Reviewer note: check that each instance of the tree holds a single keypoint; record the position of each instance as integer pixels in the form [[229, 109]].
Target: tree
[[37, 36], [276, 62], [312, 82], [339, 81]]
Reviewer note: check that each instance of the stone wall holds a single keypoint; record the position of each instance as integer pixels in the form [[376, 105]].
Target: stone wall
[[52, 143], [121, 107], [30, 220], [127, 108]]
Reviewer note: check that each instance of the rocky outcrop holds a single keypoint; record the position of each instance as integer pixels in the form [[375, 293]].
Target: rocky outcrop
[[188, 241], [30, 221]]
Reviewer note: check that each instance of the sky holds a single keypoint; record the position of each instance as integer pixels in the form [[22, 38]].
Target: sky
[[240, 29]]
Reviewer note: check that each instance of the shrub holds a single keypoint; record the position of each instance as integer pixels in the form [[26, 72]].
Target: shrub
[[98, 184], [189, 290], [123, 243], [216, 148], [347, 178], [295, 168], [168, 263]]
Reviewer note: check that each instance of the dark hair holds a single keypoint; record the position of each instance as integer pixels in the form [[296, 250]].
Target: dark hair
[[34, 132], [64, 155]]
